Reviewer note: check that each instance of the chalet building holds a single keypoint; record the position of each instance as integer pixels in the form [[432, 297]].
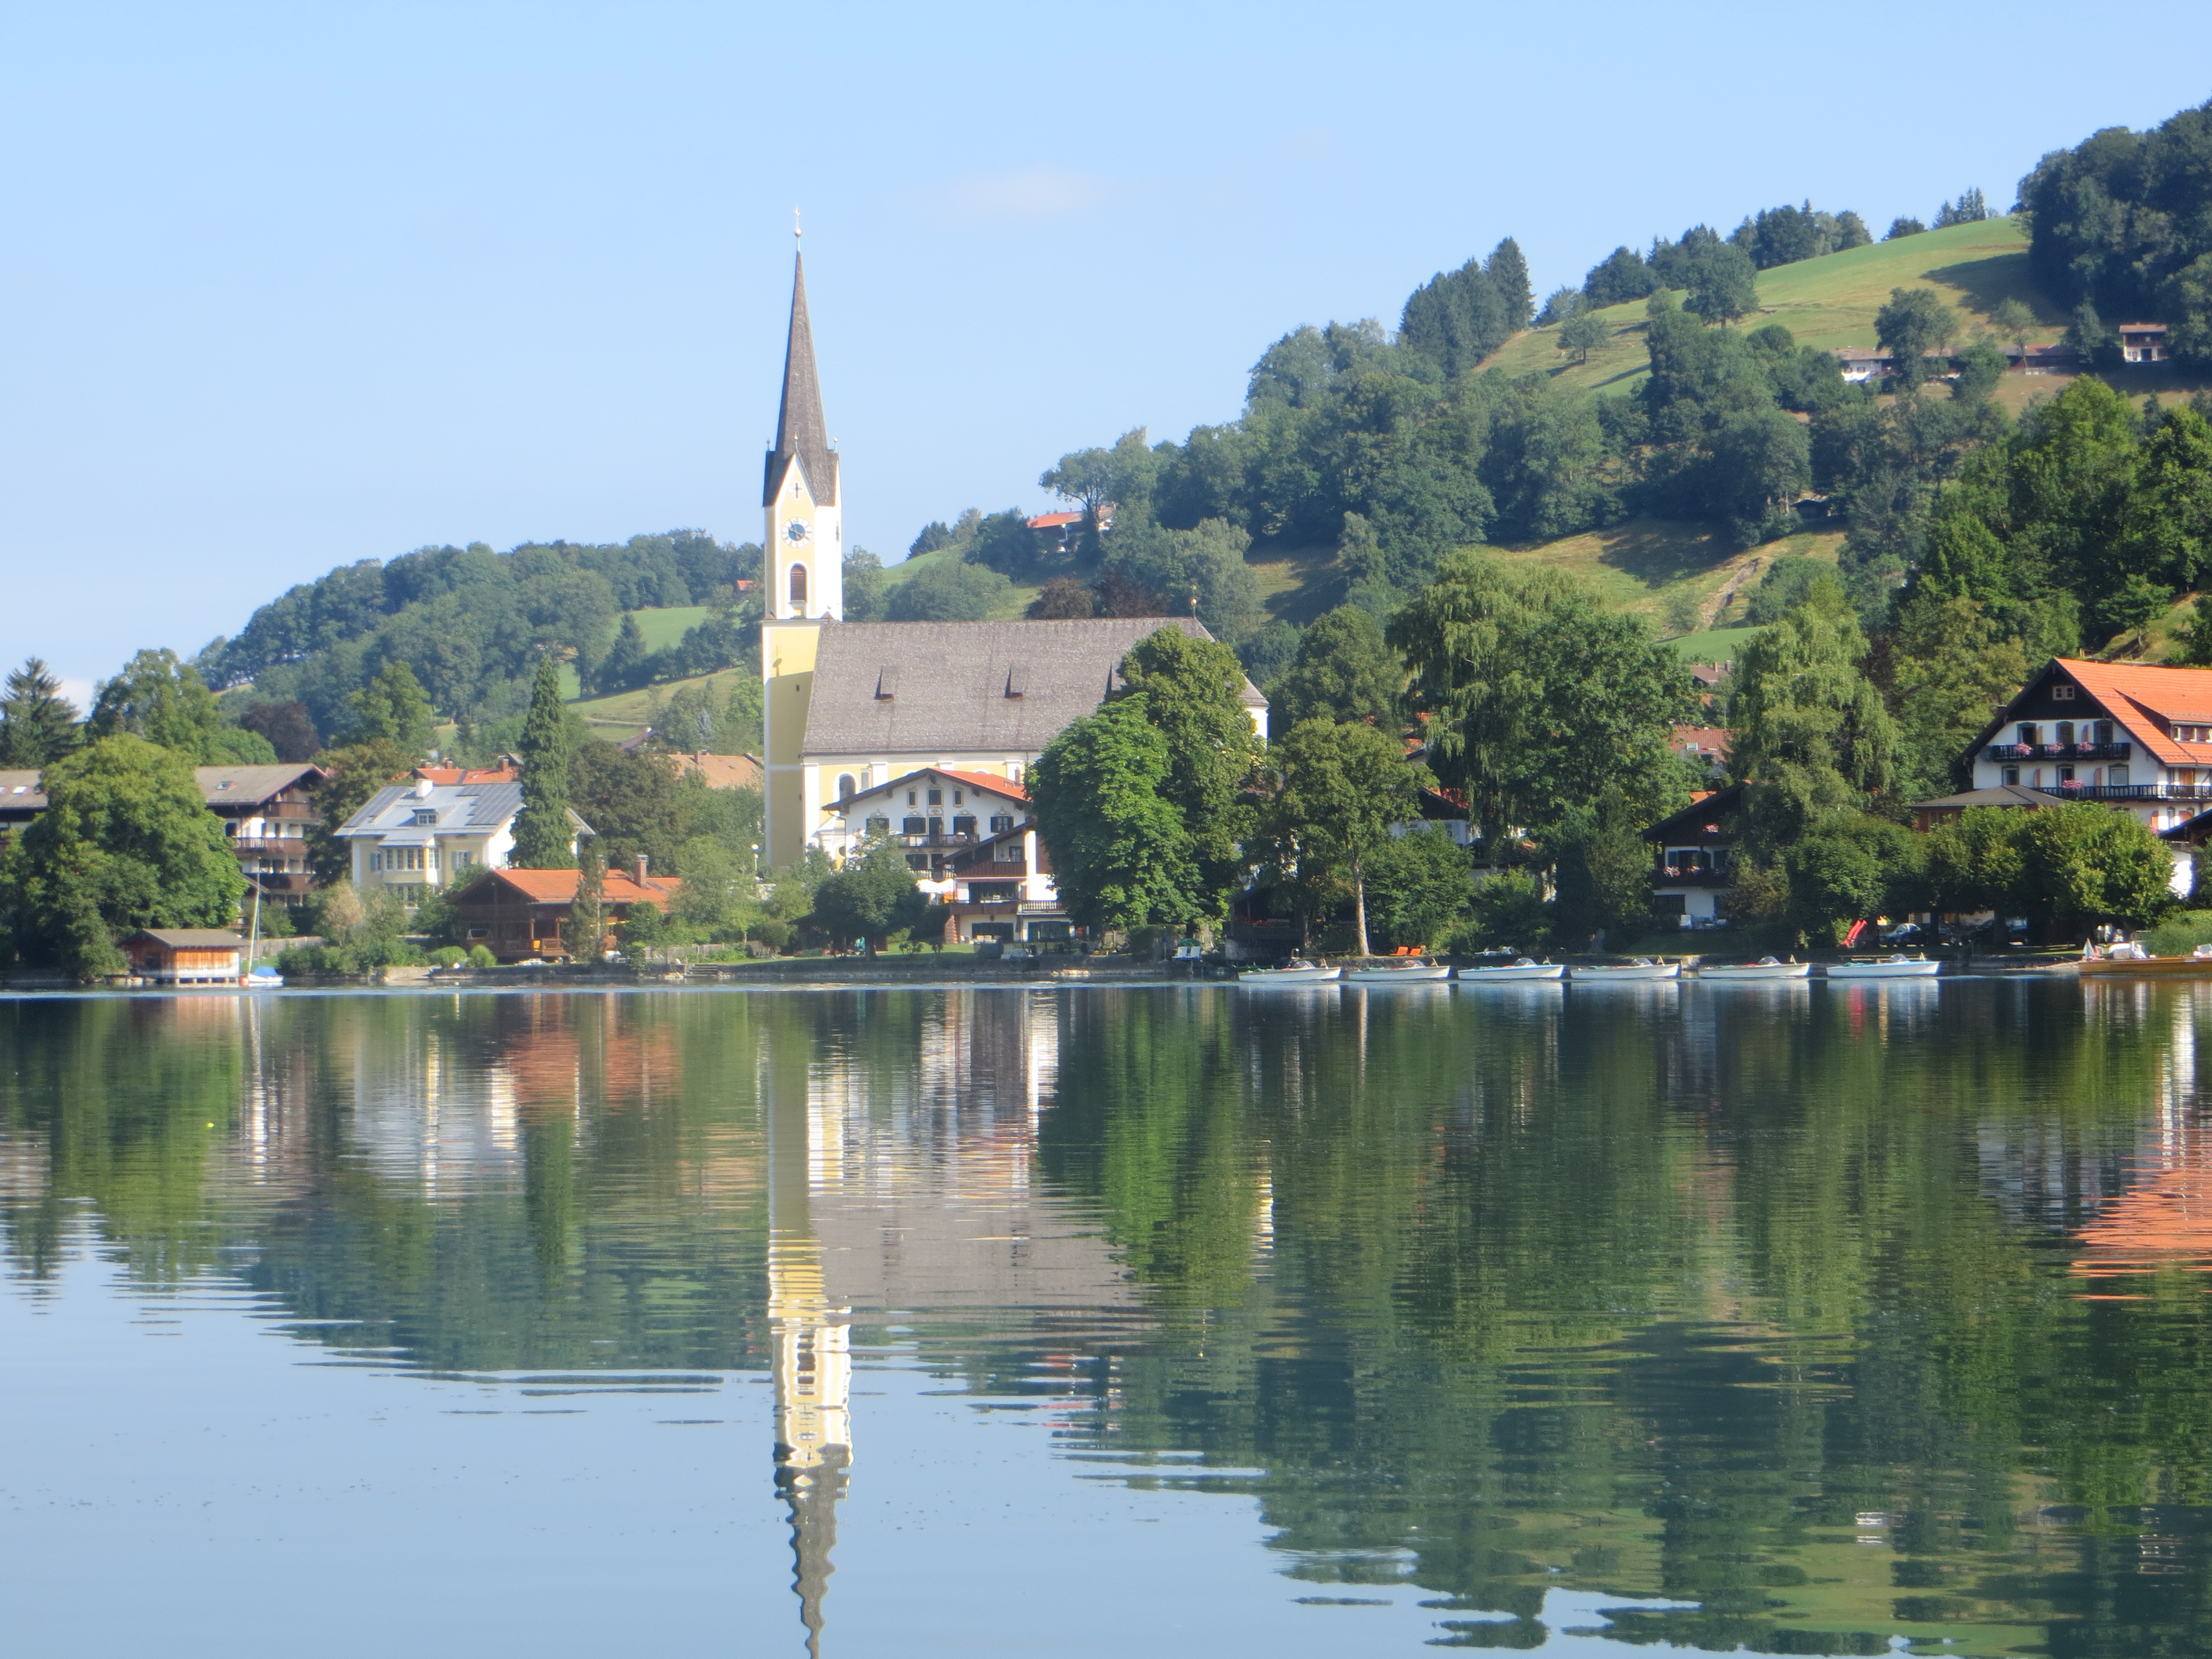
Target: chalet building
[[1693, 858], [1001, 888], [2136, 738], [2143, 342], [520, 914], [417, 836], [184, 956], [266, 812]]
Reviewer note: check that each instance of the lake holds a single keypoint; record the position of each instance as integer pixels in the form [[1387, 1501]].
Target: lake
[[1180, 1320]]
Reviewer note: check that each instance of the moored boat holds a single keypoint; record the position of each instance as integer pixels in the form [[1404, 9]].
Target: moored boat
[[1896, 967], [1419, 973], [1511, 972], [1764, 968], [264, 978], [2148, 967], [1306, 975], [1617, 973]]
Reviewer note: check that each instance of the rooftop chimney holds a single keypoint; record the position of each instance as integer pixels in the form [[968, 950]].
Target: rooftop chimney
[[423, 788], [642, 861]]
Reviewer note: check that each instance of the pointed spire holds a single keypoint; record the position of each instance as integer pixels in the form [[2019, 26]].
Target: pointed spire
[[801, 434]]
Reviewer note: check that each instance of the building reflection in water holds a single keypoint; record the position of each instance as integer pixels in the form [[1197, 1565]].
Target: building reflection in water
[[900, 1178], [2163, 1216]]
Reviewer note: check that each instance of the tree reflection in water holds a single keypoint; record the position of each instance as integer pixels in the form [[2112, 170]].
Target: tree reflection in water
[[1835, 1313]]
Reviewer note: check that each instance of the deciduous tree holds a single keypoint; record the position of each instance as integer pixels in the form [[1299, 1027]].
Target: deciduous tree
[[1344, 669], [1334, 792], [1193, 691], [127, 841], [1122, 854]]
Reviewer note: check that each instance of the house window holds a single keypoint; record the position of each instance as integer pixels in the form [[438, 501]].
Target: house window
[[2027, 733], [799, 584], [917, 861], [2012, 773], [2062, 694], [1008, 851], [910, 798], [846, 786], [2065, 775], [937, 798], [963, 826], [958, 796], [376, 861], [463, 860], [994, 892], [914, 826], [880, 826], [2118, 777], [479, 933], [2065, 732], [1001, 824], [2103, 729], [2192, 734], [426, 815]]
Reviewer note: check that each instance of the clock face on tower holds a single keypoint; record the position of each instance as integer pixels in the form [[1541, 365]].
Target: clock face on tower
[[797, 532]]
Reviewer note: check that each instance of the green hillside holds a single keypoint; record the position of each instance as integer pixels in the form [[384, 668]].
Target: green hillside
[[907, 568], [628, 713], [1673, 573], [1830, 302]]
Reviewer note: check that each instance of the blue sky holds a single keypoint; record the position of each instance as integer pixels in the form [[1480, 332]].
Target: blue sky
[[288, 286]]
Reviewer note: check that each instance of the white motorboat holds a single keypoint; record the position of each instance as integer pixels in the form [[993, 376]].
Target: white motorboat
[[1511, 972], [1896, 967], [1303, 975], [264, 978], [1626, 972], [1764, 968], [1413, 973]]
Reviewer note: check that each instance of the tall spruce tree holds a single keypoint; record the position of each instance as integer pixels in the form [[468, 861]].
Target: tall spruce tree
[[543, 834], [38, 724]]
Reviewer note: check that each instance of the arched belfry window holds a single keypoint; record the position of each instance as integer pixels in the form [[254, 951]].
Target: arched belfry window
[[799, 584], [846, 786]]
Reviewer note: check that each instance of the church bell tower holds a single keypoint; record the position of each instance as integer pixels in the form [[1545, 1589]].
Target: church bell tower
[[805, 544], [803, 570]]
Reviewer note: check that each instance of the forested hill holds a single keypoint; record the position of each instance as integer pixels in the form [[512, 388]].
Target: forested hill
[[470, 622]]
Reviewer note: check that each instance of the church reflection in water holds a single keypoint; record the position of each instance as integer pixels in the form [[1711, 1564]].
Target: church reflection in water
[[898, 1187]]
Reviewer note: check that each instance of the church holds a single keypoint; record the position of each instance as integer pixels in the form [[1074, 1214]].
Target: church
[[853, 712]]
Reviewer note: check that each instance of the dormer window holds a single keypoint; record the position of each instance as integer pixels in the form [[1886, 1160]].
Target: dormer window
[[426, 815], [2192, 734]]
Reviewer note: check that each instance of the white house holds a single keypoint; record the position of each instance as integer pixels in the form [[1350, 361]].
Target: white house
[[420, 835], [2136, 738]]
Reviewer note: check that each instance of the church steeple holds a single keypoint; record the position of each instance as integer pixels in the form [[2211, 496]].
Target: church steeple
[[801, 434]]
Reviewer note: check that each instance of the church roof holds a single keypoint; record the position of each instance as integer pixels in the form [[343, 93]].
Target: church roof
[[993, 688], [801, 434]]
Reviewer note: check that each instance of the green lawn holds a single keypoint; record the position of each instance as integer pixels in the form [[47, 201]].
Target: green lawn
[[1715, 644], [667, 626]]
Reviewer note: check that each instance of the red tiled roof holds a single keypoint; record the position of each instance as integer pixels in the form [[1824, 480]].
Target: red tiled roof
[[453, 774], [1709, 739], [995, 786], [559, 887], [2146, 700], [1052, 521]]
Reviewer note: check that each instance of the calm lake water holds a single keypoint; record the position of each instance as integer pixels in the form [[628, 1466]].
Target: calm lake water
[[1800, 1319]]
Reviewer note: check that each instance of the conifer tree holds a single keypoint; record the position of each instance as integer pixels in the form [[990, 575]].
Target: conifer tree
[[38, 724], [543, 836], [586, 929]]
